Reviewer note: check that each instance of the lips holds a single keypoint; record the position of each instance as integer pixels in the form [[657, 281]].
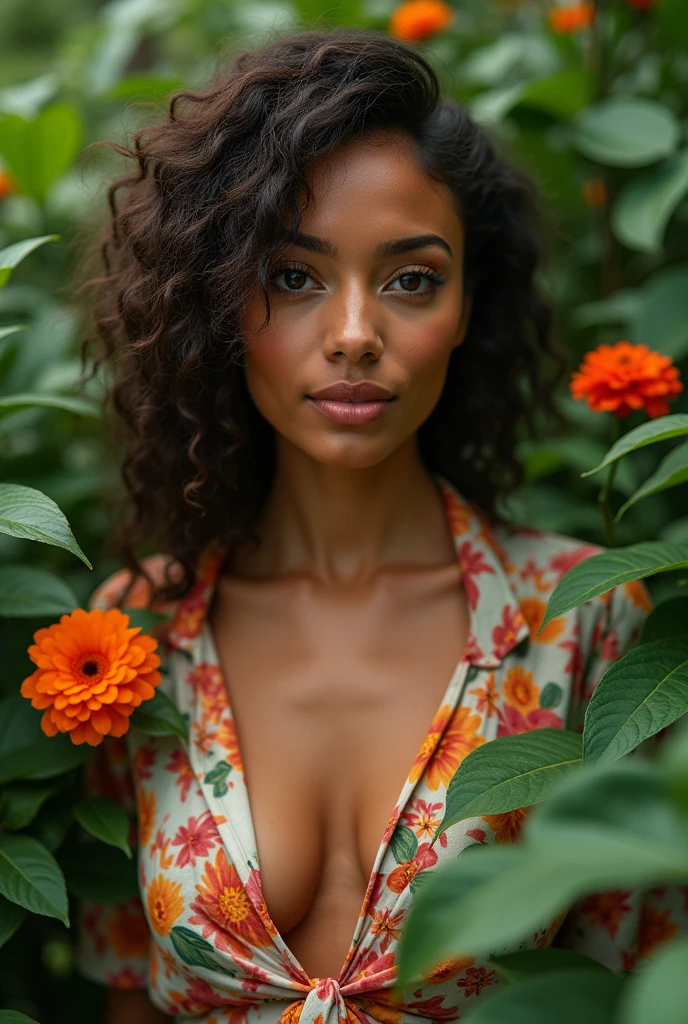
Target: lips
[[362, 391]]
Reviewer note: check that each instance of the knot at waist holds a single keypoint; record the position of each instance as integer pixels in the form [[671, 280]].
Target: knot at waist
[[324, 1004]]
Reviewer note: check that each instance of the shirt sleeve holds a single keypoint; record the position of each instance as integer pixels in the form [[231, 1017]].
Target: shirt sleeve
[[114, 938], [620, 927]]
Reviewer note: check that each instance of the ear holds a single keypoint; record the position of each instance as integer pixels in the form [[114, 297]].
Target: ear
[[465, 317]]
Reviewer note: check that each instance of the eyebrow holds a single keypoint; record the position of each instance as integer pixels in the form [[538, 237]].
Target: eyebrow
[[392, 248]]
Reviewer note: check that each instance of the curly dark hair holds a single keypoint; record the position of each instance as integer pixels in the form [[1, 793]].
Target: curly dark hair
[[199, 223]]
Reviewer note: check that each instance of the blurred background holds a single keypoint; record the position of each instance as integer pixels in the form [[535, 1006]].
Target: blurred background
[[591, 99]]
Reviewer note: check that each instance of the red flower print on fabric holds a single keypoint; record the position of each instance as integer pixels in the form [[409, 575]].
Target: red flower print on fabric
[[196, 839]]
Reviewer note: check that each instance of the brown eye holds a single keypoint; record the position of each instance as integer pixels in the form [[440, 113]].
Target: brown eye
[[295, 279], [410, 282]]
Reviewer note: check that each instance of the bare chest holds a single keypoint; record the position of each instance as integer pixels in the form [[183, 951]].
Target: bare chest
[[332, 697]]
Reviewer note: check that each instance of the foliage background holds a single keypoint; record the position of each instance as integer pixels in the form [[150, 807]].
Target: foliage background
[[110, 66]]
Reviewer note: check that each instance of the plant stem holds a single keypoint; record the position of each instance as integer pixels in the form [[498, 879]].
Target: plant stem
[[603, 498]]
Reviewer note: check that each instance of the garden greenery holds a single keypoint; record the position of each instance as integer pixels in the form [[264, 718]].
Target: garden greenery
[[594, 107]]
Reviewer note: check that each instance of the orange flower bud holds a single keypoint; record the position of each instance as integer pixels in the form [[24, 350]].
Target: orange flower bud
[[7, 186], [571, 18], [595, 192]]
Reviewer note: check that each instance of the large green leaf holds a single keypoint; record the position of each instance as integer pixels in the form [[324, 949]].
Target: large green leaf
[[661, 320], [659, 993], [12, 403], [25, 752], [667, 619], [526, 886], [600, 573], [567, 997], [638, 695], [32, 515], [510, 772], [661, 429], [645, 204], [14, 1017], [27, 592], [562, 94], [626, 132], [6, 332], [514, 968], [159, 716], [14, 254], [11, 917], [428, 936], [40, 149], [20, 803], [105, 820], [672, 471], [30, 876]]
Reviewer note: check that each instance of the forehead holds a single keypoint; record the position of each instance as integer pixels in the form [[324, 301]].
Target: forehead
[[377, 184]]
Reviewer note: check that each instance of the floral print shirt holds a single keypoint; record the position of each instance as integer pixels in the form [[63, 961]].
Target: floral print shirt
[[200, 936]]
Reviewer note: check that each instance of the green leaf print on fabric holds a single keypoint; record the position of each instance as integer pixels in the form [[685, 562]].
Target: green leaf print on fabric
[[196, 951], [551, 695], [404, 844], [217, 777]]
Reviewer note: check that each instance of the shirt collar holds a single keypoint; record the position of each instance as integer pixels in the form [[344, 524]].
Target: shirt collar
[[497, 624]]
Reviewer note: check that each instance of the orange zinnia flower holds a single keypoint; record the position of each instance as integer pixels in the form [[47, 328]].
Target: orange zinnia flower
[[419, 19], [623, 377], [92, 672], [7, 186], [165, 904], [571, 18]]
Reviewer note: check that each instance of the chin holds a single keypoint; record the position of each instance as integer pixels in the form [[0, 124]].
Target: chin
[[350, 453]]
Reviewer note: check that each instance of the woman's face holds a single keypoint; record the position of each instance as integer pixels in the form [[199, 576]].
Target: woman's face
[[370, 292]]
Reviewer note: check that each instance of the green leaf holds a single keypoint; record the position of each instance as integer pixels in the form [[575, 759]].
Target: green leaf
[[30, 876], [6, 332], [667, 619], [514, 968], [510, 772], [562, 94], [26, 592], [661, 320], [145, 88], [32, 515], [567, 997], [14, 1017], [428, 936], [100, 873], [626, 132], [599, 573], [195, 951], [144, 618], [638, 695], [159, 716], [47, 758], [662, 429], [618, 308], [14, 254], [403, 844], [551, 696], [39, 150], [672, 471], [217, 778], [11, 918], [12, 403], [105, 820], [21, 802], [658, 993], [645, 204]]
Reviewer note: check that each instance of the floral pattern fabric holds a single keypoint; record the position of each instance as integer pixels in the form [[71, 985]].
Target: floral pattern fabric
[[200, 937]]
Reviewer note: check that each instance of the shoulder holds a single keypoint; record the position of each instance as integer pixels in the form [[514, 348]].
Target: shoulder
[[136, 592]]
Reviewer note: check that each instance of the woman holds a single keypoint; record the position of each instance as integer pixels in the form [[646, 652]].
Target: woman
[[320, 310]]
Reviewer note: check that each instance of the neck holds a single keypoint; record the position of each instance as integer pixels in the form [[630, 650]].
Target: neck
[[343, 525]]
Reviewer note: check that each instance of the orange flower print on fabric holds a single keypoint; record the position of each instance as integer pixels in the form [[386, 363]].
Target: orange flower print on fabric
[[504, 635], [571, 18], [624, 377], [533, 610], [452, 735], [224, 910], [227, 737], [423, 818], [487, 697], [181, 766], [449, 969], [638, 595], [128, 931], [420, 19], [207, 680], [164, 903], [146, 808], [606, 909], [520, 690], [402, 876], [93, 670], [387, 924], [507, 827], [656, 928]]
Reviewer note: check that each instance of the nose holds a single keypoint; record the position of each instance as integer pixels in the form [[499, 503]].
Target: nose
[[352, 328]]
